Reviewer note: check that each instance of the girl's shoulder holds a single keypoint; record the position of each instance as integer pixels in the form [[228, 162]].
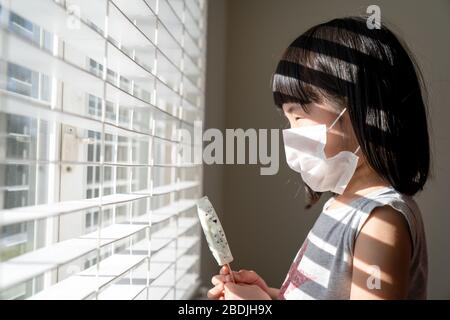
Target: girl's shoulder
[[403, 204], [364, 205]]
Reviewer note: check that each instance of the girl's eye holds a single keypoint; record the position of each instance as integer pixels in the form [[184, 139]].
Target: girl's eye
[[298, 118]]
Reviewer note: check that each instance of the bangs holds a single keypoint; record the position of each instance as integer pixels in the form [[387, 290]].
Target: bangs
[[305, 74], [290, 90], [287, 86]]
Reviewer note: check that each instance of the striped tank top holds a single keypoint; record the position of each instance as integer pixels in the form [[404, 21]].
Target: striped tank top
[[322, 269]]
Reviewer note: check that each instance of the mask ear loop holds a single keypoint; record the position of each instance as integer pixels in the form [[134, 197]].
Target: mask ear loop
[[337, 119]]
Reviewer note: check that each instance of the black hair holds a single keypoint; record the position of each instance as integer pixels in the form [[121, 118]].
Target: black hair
[[370, 72]]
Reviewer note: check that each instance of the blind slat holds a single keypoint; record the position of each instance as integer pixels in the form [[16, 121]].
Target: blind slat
[[23, 214], [14, 103], [38, 262], [21, 52], [110, 268]]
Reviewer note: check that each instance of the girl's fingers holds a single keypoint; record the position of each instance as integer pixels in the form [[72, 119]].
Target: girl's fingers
[[230, 291], [222, 278], [218, 279], [224, 270], [246, 276], [215, 292]]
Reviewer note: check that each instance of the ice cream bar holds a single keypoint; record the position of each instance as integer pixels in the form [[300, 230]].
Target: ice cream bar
[[215, 236]]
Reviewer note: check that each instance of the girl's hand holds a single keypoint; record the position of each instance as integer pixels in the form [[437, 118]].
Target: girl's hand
[[244, 292], [245, 277]]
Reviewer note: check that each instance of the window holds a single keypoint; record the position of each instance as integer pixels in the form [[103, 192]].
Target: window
[[95, 201]]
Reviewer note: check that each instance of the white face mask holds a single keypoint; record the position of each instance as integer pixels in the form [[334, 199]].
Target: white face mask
[[305, 154]]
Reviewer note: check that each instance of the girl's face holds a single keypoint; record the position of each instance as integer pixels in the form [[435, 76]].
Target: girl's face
[[339, 138]]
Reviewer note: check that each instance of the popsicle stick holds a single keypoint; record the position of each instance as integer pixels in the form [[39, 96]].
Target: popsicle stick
[[231, 273]]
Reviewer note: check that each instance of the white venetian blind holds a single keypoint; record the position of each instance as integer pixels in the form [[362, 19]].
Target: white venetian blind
[[96, 201]]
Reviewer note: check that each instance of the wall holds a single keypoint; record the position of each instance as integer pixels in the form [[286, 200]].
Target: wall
[[213, 176]]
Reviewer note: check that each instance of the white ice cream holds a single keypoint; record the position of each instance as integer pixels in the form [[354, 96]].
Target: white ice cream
[[215, 236]]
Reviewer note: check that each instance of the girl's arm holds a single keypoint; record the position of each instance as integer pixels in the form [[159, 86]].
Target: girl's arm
[[382, 257]]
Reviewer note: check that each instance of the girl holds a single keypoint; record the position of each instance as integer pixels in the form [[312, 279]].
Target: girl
[[358, 129]]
